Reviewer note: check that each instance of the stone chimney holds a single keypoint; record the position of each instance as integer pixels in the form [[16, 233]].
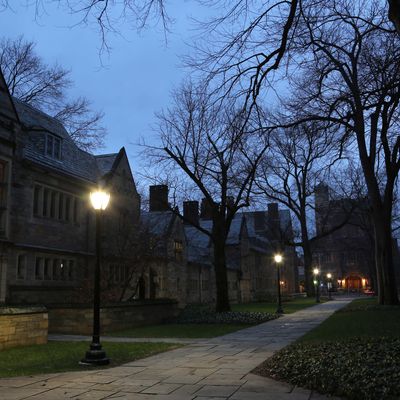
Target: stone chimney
[[273, 220], [205, 209], [159, 198], [191, 212]]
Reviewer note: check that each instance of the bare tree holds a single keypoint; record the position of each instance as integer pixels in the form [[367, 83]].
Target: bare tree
[[353, 81], [213, 155], [298, 160], [45, 87]]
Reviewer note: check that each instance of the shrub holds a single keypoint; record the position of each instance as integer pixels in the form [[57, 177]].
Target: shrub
[[357, 368], [206, 315]]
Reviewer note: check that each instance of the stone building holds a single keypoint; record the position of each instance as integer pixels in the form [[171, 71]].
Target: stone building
[[47, 224], [165, 274], [347, 253], [47, 227]]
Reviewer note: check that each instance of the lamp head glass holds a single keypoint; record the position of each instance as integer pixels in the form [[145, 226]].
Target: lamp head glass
[[99, 199]]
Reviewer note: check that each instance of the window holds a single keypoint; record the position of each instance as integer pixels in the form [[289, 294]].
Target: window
[[36, 199], [39, 268], [21, 266], [61, 206], [67, 207], [54, 204], [63, 267], [47, 268], [71, 270], [178, 249], [53, 146], [56, 270]]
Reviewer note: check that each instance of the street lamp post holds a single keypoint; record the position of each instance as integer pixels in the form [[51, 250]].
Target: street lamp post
[[329, 276], [316, 283], [278, 259], [96, 355]]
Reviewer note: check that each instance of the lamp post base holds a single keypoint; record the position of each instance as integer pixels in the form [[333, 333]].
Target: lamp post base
[[279, 310], [95, 356]]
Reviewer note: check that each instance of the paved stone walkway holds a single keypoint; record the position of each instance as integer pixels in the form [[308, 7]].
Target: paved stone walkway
[[216, 369]]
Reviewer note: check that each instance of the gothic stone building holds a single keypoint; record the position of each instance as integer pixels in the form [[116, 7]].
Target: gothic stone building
[[347, 253], [47, 224]]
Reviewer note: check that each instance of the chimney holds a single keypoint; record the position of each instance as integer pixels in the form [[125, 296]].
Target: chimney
[[159, 198], [191, 212], [273, 221], [205, 209], [273, 212]]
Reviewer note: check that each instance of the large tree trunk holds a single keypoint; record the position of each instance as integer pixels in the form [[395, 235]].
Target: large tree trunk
[[221, 278], [308, 277], [386, 278]]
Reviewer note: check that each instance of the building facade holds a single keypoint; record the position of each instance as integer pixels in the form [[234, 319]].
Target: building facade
[[48, 233], [47, 227], [347, 253]]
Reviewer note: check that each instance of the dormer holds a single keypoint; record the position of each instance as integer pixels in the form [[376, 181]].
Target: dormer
[[53, 145]]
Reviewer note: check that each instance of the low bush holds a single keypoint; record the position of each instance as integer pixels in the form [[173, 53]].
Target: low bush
[[205, 315], [356, 368]]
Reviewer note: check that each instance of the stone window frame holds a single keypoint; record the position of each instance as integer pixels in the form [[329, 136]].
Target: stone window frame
[[52, 203], [24, 257], [178, 249], [53, 146], [61, 268]]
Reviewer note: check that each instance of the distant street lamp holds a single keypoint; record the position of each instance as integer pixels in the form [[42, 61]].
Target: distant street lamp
[[95, 355], [278, 259], [329, 276], [316, 283]]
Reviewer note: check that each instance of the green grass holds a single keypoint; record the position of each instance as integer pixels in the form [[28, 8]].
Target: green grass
[[65, 356], [362, 318], [179, 330], [355, 354], [289, 307]]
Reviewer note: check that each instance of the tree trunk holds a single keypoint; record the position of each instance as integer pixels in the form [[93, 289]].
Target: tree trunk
[[308, 277], [386, 278], [221, 278]]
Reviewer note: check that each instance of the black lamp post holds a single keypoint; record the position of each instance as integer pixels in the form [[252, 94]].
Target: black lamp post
[[96, 355], [278, 259], [329, 276], [316, 283]]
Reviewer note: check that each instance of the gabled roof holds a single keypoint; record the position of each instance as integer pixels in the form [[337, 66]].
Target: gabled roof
[[105, 162], [198, 246], [74, 161], [7, 107], [158, 222]]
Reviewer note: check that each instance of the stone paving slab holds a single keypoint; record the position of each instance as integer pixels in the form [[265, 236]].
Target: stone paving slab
[[218, 368]]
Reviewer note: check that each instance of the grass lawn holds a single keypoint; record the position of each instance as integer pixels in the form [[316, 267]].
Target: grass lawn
[[180, 330], [65, 356], [289, 307], [355, 354], [361, 318]]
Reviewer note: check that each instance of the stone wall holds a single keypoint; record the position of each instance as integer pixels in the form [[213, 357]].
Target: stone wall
[[75, 319], [22, 326]]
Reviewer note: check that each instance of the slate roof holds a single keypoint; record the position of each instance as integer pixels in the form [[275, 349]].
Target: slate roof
[[158, 222], [105, 162], [74, 161], [198, 246]]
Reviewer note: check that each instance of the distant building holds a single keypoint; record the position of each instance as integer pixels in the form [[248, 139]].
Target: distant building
[[346, 253]]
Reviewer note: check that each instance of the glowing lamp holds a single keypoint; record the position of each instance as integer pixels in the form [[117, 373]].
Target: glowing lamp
[[99, 199], [278, 258], [315, 271], [329, 275]]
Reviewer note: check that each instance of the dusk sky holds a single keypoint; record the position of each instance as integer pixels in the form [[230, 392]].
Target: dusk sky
[[135, 79]]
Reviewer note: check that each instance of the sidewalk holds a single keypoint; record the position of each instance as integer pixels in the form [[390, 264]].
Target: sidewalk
[[218, 369]]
